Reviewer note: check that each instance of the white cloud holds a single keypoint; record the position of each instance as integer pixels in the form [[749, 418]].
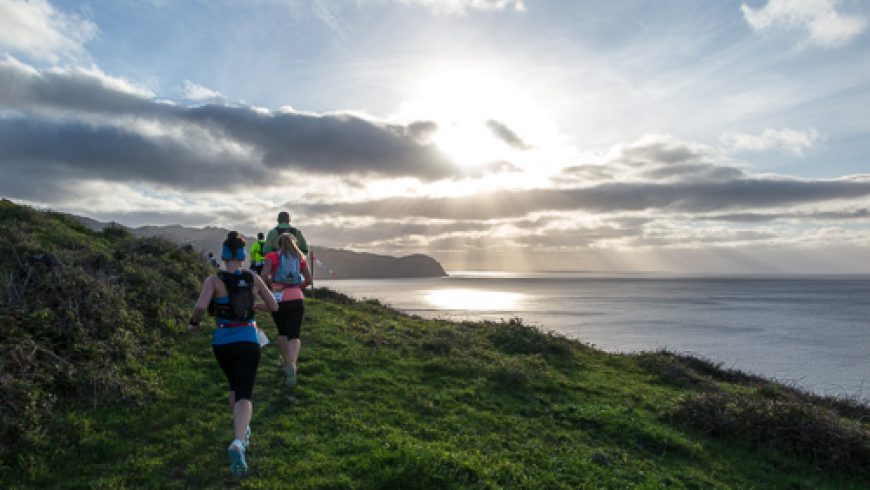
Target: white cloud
[[785, 139], [824, 25], [327, 12], [194, 91], [462, 6], [34, 28]]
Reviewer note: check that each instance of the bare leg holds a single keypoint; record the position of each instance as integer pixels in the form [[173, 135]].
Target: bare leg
[[284, 347], [293, 348], [242, 418]]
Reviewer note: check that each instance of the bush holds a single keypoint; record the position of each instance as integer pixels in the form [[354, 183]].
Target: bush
[[515, 337], [80, 311], [810, 431], [682, 370]]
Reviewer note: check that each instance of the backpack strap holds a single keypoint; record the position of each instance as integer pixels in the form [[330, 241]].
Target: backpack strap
[[231, 282], [290, 229]]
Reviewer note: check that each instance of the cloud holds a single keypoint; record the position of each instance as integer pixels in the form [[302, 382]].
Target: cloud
[[703, 172], [785, 139], [656, 174], [326, 11], [658, 149], [70, 92], [823, 24], [34, 28], [421, 131], [695, 197], [193, 91], [506, 134], [463, 6], [332, 143], [57, 153], [125, 133], [855, 214]]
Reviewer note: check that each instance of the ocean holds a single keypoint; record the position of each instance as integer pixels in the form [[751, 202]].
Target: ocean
[[810, 332]]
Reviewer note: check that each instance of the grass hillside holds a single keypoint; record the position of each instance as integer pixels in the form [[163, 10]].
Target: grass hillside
[[115, 394]]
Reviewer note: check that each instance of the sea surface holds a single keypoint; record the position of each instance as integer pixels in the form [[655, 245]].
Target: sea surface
[[811, 332]]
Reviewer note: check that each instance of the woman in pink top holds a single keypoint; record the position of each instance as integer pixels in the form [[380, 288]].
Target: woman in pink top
[[288, 318]]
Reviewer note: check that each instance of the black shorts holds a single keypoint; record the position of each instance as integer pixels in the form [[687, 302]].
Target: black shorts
[[288, 318], [239, 363]]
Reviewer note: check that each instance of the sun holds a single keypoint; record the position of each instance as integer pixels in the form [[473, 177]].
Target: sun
[[461, 101]]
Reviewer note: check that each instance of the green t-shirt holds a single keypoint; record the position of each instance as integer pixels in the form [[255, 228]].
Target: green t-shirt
[[272, 239]]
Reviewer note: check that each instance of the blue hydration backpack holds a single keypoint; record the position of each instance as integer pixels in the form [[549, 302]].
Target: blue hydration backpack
[[288, 271]]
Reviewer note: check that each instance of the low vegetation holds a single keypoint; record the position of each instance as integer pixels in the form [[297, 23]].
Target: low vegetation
[[104, 389]]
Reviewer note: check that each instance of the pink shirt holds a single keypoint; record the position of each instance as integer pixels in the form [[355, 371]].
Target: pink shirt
[[290, 292]]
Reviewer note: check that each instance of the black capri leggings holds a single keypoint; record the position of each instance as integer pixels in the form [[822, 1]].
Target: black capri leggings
[[288, 318], [239, 363]]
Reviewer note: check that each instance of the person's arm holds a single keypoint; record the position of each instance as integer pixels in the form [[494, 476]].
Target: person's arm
[[300, 240], [205, 296], [266, 271], [271, 237], [265, 295]]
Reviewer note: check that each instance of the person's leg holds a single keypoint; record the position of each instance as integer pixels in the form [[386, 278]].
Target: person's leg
[[284, 348], [242, 418], [295, 314], [224, 357], [280, 317], [293, 348], [246, 363]]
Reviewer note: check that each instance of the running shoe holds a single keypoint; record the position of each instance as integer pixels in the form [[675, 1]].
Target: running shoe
[[290, 381], [238, 464]]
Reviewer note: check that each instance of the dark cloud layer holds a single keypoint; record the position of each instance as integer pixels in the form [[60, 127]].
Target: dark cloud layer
[[325, 144], [68, 150], [612, 197], [57, 106], [696, 172], [765, 217]]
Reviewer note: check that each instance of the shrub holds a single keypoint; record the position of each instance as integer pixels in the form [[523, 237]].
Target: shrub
[[681, 369], [515, 337], [80, 310], [810, 431]]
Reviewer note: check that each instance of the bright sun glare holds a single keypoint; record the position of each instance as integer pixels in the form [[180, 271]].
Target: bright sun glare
[[473, 299], [460, 101]]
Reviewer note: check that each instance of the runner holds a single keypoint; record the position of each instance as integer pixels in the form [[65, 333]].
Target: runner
[[257, 257], [287, 272], [284, 227], [229, 295]]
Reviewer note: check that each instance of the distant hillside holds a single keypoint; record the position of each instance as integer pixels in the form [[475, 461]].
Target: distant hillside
[[346, 264]]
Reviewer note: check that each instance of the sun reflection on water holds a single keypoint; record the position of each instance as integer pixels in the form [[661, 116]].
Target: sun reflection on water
[[473, 299]]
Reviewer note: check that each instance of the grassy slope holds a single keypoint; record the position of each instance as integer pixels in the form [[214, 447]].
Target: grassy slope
[[391, 401], [384, 401]]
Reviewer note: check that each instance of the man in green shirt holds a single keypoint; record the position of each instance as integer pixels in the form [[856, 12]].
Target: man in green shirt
[[284, 227]]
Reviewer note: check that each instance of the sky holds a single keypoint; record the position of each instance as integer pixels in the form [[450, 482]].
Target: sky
[[525, 135]]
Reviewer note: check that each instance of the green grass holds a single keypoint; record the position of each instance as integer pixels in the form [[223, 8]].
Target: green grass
[[390, 401], [387, 400]]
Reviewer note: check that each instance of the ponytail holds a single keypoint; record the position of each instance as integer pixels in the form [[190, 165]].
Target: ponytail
[[287, 244]]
